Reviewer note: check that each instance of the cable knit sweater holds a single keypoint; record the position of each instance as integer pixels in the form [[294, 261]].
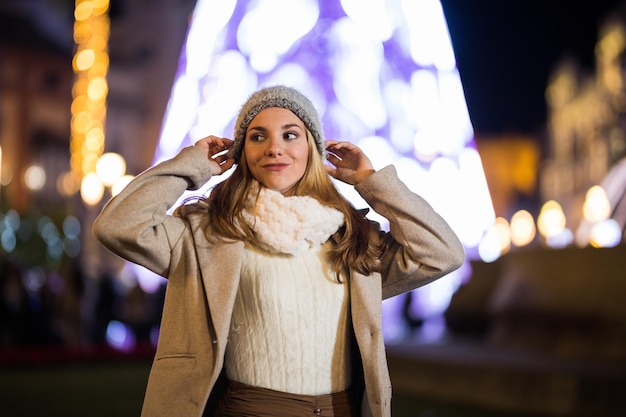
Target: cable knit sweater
[[290, 320]]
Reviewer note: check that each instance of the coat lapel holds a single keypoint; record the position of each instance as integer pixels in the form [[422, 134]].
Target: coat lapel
[[220, 267], [366, 304]]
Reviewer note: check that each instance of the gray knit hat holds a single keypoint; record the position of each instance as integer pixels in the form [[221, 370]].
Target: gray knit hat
[[277, 96]]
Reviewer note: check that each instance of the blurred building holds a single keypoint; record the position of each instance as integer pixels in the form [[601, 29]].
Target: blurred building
[[35, 97], [53, 273], [586, 125], [144, 46], [511, 163], [570, 176]]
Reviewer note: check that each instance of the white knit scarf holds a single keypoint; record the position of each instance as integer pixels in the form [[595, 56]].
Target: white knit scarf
[[290, 225]]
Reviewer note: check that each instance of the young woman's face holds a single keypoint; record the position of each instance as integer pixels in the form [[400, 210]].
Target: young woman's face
[[276, 149]]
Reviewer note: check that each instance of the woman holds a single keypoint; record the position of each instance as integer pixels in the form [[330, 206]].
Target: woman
[[275, 282]]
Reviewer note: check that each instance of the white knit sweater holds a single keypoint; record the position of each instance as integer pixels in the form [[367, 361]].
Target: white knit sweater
[[290, 323]]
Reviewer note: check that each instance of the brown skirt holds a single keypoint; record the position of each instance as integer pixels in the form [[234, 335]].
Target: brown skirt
[[241, 400]]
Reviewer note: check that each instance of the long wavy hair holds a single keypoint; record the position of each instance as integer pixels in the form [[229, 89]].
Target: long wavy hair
[[354, 248]]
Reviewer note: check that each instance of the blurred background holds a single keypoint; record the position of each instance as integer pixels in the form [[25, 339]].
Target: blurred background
[[509, 117]]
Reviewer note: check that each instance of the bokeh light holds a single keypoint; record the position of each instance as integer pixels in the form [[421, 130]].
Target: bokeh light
[[35, 177], [551, 220], [561, 239], [67, 184], [523, 228], [596, 206], [91, 189], [605, 234], [90, 65], [110, 168], [120, 336], [496, 242]]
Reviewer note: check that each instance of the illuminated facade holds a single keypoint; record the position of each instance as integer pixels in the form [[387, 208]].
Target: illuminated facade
[[586, 124]]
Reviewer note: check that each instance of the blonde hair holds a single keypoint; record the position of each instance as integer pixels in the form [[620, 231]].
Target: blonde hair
[[354, 248]]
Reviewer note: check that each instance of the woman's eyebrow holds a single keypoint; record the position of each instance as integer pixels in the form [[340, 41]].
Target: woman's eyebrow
[[291, 125], [259, 128], [284, 127]]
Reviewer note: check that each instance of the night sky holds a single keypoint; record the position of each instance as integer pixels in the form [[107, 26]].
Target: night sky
[[507, 49]]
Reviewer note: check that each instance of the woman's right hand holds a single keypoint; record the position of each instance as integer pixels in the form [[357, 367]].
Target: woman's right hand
[[215, 149]]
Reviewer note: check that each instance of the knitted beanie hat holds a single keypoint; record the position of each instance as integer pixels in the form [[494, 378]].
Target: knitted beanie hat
[[277, 96]]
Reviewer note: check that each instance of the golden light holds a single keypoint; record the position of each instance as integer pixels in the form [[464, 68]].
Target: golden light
[[94, 137], [596, 206], [83, 11], [67, 184], [89, 163], [92, 147], [7, 175], [82, 32], [97, 89], [82, 121], [551, 220], [91, 189], [110, 168], [84, 60], [503, 232], [90, 89], [100, 6], [523, 229]]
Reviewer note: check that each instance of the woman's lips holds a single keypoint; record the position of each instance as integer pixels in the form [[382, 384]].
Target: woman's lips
[[275, 167]]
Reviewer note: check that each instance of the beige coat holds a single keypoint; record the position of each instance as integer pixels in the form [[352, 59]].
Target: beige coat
[[203, 277]]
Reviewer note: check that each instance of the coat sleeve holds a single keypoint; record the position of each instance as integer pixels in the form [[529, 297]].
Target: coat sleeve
[[135, 224], [420, 246]]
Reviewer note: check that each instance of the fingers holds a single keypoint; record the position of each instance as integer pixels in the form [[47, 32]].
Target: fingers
[[225, 163], [220, 163], [351, 165], [216, 150], [336, 151], [214, 145], [214, 142], [342, 152], [335, 146], [332, 158], [219, 145]]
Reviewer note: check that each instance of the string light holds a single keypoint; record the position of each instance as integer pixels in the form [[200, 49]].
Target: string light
[[90, 64]]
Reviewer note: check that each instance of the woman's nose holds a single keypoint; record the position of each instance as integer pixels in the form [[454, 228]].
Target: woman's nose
[[274, 147]]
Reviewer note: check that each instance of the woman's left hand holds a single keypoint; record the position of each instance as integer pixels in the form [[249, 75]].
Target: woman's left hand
[[214, 147], [351, 165]]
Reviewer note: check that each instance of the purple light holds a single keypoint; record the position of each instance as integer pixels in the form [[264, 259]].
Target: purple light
[[120, 336]]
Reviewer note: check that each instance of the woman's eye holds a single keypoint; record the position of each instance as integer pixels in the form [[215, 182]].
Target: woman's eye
[[290, 136], [256, 138]]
